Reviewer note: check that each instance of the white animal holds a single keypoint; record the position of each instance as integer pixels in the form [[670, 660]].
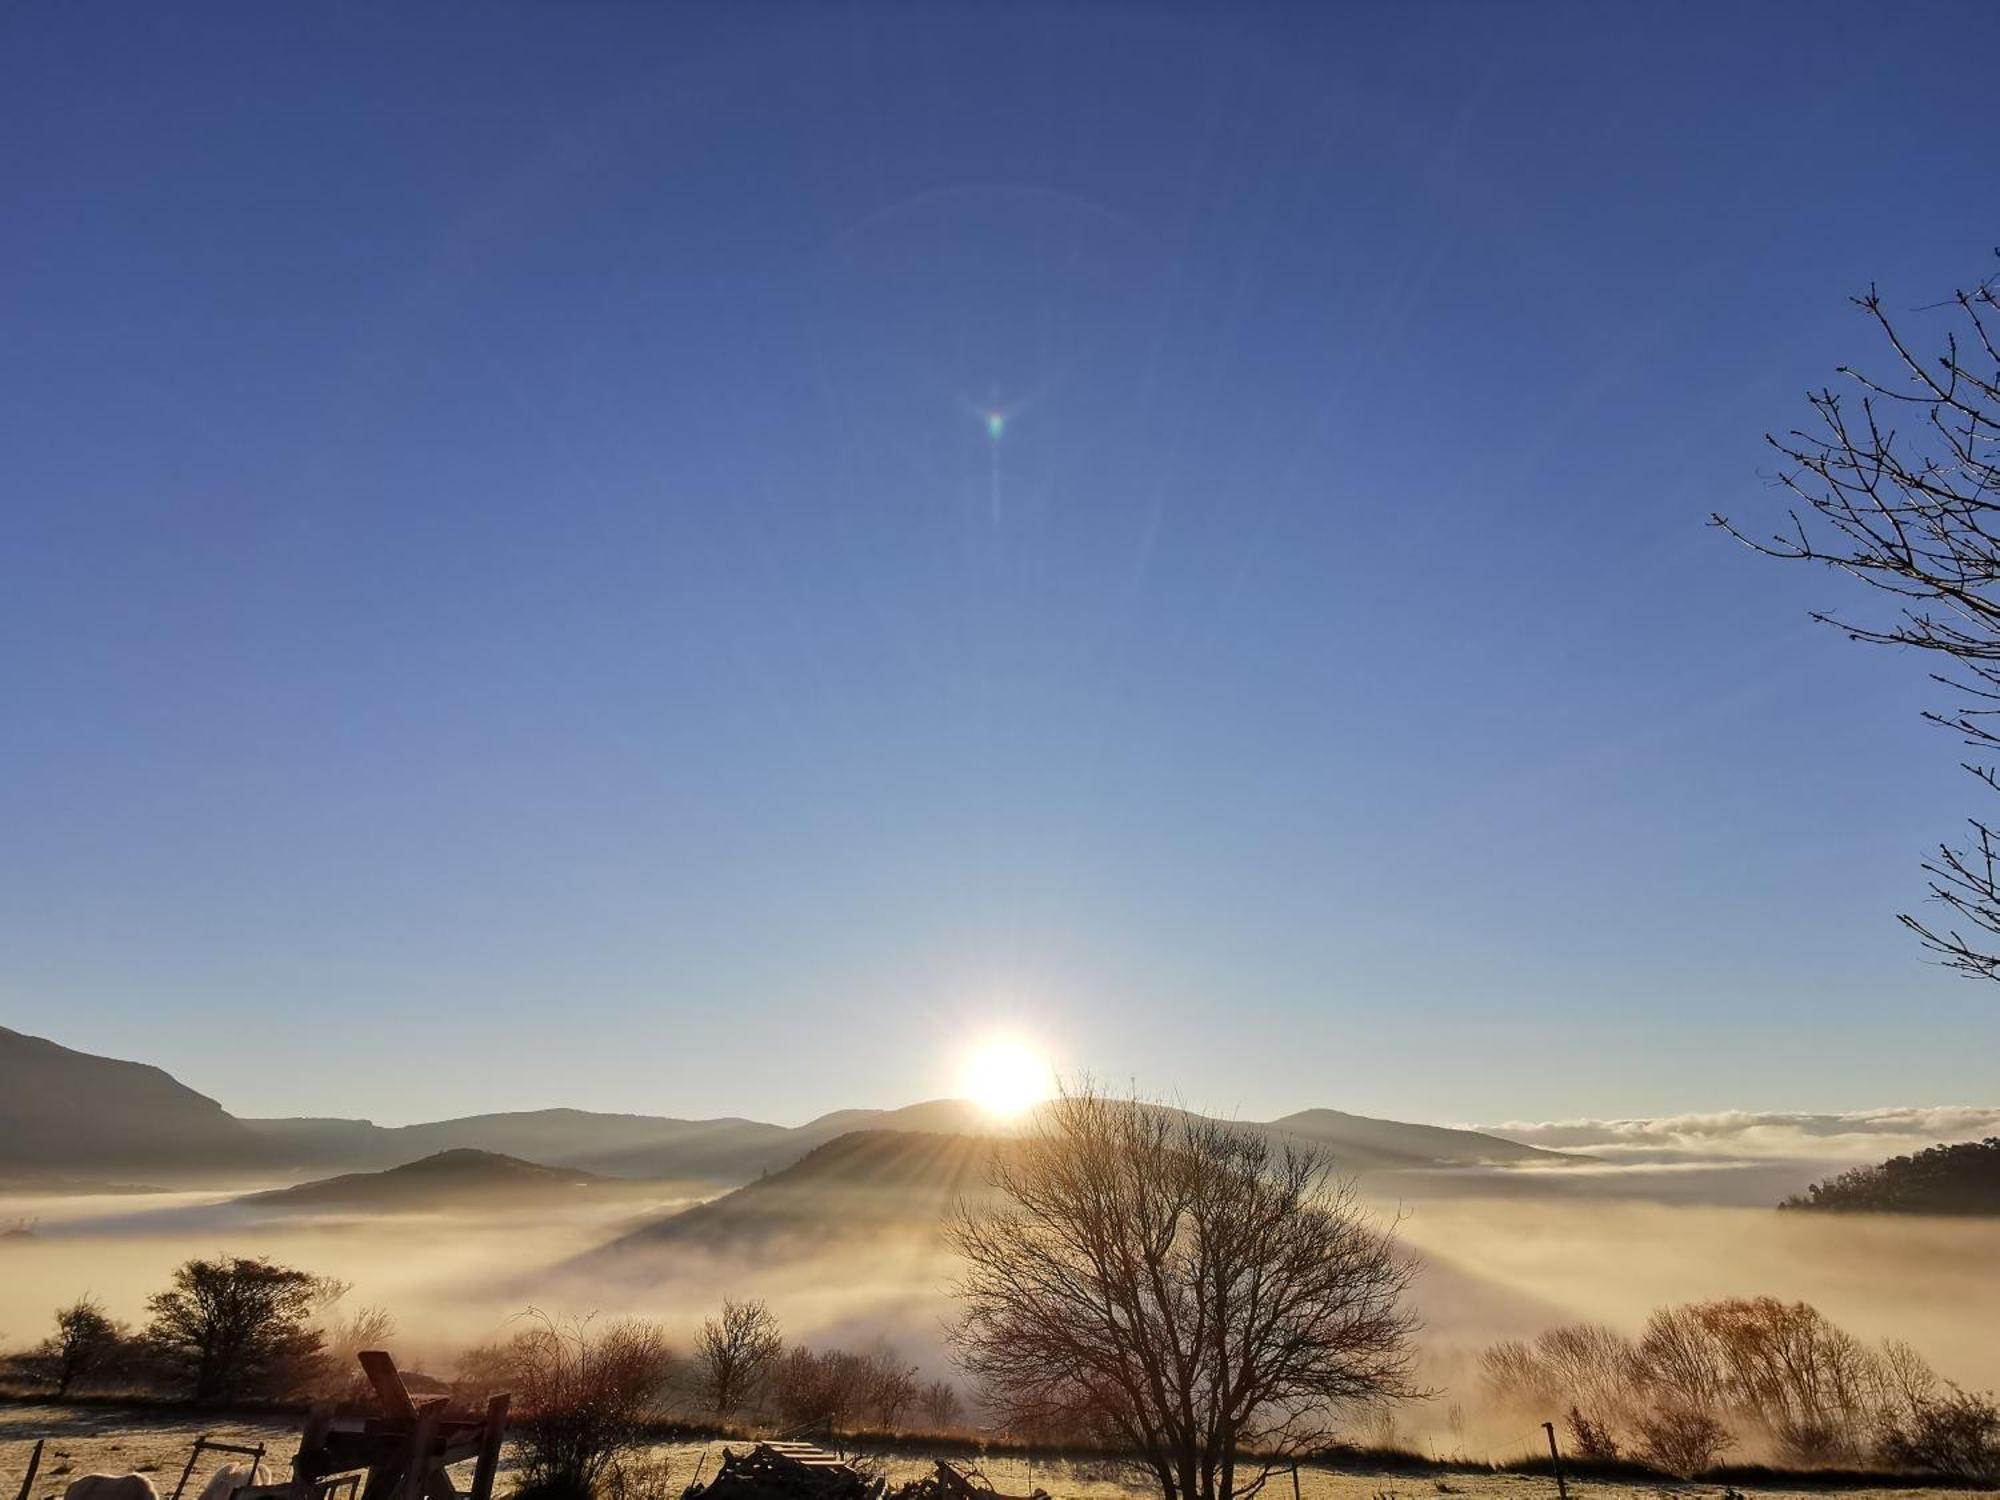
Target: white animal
[[111, 1487], [223, 1483]]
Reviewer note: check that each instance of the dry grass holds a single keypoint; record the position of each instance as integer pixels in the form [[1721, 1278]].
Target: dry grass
[[123, 1440]]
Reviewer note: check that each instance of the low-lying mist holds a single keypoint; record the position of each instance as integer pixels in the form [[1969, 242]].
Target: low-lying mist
[[1494, 1268]]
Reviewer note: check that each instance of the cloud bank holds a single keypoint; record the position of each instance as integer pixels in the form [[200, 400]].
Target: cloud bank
[[1740, 1135]]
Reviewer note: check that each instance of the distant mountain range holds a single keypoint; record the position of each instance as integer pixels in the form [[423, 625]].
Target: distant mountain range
[[69, 1114], [72, 1114]]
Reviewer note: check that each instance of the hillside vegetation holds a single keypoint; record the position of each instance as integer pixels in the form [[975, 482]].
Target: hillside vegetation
[[1962, 1179]]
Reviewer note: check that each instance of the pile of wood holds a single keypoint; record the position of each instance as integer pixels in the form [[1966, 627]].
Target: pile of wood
[[799, 1471], [786, 1471]]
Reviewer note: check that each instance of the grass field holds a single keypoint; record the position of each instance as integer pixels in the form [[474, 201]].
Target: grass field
[[104, 1439]]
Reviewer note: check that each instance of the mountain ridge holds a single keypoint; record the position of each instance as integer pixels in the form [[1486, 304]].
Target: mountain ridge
[[56, 1103]]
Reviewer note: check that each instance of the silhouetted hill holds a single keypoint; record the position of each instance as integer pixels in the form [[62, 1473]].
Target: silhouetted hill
[[455, 1179], [1361, 1144], [724, 1151], [63, 1111], [618, 1145], [1962, 1179], [866, 1184]]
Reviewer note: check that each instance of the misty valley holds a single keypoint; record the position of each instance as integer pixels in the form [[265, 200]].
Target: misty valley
[[1534, 1277]]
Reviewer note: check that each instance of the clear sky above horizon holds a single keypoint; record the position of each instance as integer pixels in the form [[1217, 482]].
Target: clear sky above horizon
[[511, 593]]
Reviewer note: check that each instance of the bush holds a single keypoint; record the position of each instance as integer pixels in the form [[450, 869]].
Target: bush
[[234, 1327], [941, 1405], [1589, 1438], [85, 1343], [838, 1390], [1956, 1434], [582, 1399], [818, 1392], [1684, 1440], [1706, 1373]]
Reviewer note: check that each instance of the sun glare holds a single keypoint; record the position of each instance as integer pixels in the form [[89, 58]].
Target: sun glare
[[1004, 1077]]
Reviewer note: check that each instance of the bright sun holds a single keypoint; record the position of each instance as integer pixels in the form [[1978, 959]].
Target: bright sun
[[1004, 1077]]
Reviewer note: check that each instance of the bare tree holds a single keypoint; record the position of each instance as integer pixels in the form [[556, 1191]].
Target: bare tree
[[1904, 494], [940, 1404], [85, 1341], [735, 1354], [1203, 1298], [891, 1387]]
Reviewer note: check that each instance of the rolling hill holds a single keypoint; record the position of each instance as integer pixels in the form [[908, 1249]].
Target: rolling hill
[[1364, 1144], [456, 1179], [858, 1186]]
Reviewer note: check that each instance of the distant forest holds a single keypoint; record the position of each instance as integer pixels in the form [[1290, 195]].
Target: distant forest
[[1962, 1179]]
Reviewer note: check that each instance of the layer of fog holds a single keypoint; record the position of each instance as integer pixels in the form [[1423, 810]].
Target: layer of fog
[[1493, 1267], [1747, 1135]]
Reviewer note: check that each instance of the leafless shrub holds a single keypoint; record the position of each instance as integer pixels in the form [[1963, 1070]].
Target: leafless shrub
[[1682, 1440], [638, 1476], [1585, 1369], [1589, 1437], [835, 1390], [1955, 1433], [940, 1404], [369, 1327], [86, 1343], [582, 1397], [1706, 1374]]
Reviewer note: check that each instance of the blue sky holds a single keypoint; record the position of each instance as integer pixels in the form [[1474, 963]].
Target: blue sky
[[508, 596]]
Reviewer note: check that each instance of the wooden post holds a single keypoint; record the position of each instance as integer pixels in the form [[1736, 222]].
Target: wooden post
[[310, 1460], [34, 1463], [423, 1438], [1555, 1458], [1295, 1479], [389, 1388], [194, 1457], [490, 1439]]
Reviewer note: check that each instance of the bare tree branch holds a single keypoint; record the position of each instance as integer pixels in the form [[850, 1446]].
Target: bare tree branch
[[1918, 520]]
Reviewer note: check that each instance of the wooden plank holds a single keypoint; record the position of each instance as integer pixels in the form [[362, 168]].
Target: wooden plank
[[34, 1463], [311, 1460], [417, 1463], [382, 1374], [194, 1457], [492, 1435]]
